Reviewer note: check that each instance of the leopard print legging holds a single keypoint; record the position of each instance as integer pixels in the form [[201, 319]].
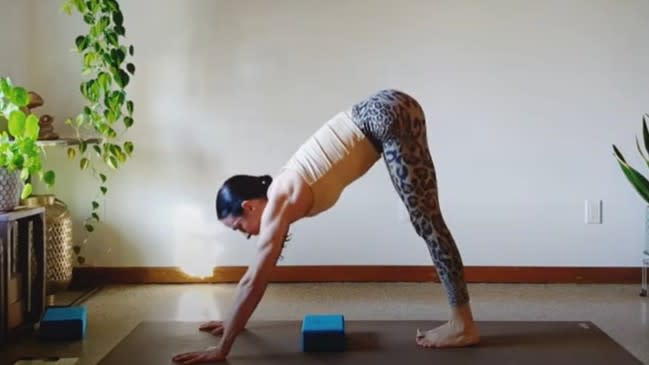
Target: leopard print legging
[[395, 124]]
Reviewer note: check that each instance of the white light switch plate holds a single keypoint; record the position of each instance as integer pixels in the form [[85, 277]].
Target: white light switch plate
[[593, 212]]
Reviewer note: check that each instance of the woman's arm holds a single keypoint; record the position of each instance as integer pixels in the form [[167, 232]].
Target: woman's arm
[[273, 228]]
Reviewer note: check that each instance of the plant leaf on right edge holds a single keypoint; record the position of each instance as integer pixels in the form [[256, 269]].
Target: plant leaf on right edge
[[637, 180]]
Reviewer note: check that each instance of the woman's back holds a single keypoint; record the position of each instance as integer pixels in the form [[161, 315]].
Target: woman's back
[[295, 193]]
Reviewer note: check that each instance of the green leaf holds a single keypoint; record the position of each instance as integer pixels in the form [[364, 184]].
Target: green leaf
[[131, 50], [103, 23], [112, 5], [71, 153], [130, 68], [95, 91], [81, 43], [80, 259], [89, 19], [104, 80], [103, 189], [5, 86], [8, 109], [49, 178], [120, 30], [102, 128], [110, 116], [66, 7], [130, 107], [118, 114], [115, 149], [19, 97], [31, 127], [95, 30], [80, 5], [128, 147], [118, 18], [118, 56], [83, 164], [128, 122], [83, 146], [103, 178], [89, 90], [111, 38], [24, 174], [112, 162], [95, 205], [76, 249], [645, 132], [94, 5], [122, 78], [637, 144], [27, 191], [618, 154], [17, 123], [637, 180], [97, 149], [96, 216], [107, 60], [80, 119], [117, 98], [17, 160]]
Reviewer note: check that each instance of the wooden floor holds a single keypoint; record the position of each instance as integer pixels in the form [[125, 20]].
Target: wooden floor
[[115, 312]]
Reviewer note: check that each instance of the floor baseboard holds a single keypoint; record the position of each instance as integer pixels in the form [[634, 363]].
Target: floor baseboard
[[94, 276]]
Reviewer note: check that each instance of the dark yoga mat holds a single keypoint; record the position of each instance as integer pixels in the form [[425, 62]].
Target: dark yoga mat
[[380, 342]]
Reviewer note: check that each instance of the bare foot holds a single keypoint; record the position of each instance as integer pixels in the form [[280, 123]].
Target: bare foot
[[459, 331], [450, 334]]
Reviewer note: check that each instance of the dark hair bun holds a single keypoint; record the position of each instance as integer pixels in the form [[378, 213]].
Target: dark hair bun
[[266, 179]]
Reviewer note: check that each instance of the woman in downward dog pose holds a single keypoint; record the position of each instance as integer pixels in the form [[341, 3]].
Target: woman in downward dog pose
[[389, 125]]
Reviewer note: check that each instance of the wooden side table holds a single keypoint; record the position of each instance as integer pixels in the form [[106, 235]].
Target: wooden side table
[[22, 255]]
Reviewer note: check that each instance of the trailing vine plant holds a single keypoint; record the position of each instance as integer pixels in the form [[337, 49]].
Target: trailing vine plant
[[108, 112]]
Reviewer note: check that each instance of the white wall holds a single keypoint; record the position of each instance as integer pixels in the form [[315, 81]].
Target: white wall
[[14, 40], [523, 99]]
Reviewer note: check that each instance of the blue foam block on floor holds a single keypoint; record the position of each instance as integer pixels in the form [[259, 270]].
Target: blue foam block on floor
[[63, 323], [323, 333]]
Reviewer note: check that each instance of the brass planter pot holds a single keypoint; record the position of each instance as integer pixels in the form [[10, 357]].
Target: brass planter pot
[[59, 241]]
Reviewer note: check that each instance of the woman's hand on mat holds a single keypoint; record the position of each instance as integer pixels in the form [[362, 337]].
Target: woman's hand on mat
[[212, 354], [213, 327]]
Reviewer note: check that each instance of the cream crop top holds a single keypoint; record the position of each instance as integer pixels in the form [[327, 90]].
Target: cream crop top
[[332, 158]]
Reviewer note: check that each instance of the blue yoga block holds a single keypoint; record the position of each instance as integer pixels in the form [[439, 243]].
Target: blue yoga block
[[323, 333], [63, 323]]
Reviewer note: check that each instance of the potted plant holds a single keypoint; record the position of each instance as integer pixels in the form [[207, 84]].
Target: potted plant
[[637, 179], [641, 185], [20, 156]]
